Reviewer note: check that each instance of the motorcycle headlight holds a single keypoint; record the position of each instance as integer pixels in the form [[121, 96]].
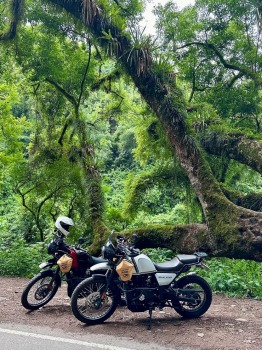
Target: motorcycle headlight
[[108, 251]]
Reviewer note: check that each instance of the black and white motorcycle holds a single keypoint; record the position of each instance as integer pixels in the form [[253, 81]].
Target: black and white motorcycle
[[144, 284]]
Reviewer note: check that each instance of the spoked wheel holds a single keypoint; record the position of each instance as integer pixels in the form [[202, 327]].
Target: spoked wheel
[[91, 303], [39, 291], [194, 297]]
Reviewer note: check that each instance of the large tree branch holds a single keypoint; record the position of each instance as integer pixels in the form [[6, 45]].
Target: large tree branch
[[235, 146]]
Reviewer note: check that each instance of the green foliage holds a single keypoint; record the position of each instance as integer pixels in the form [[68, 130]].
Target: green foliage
[[158, 255], [12, 128], [215, 47], [242, 179], [238, 278], [17, 258], [160, 194], [178, 215]]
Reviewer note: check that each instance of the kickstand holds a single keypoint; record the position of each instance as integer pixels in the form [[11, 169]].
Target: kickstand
[[150, 318]]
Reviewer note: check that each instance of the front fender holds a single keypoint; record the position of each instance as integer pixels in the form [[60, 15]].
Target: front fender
[[53, 274], [49, 263], [99, 277]]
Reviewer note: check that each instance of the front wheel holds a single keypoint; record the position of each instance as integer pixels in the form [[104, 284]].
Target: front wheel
[[92, 302], [194, 296], [39, 291]]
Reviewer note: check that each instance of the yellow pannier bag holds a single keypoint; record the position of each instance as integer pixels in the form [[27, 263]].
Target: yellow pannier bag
[[65, 263], [125, 270]]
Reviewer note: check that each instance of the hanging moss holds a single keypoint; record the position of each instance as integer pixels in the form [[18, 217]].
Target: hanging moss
[[15, 12]]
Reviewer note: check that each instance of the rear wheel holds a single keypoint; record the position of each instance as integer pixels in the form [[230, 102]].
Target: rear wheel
[[39, 291], [92, 303], [197, 296]]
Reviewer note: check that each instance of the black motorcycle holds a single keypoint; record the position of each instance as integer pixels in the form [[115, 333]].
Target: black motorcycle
[[68, 263], [144, 284]]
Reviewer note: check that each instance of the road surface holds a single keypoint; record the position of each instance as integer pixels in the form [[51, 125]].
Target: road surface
[[17, 337]]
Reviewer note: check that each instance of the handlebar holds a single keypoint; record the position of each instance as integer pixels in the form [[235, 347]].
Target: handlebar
[[126, 247]]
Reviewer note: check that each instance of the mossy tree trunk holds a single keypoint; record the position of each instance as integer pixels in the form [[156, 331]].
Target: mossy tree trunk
[[83, 153], [94, 194]]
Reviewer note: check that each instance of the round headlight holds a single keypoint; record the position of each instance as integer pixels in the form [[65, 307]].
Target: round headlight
[[108, 250]]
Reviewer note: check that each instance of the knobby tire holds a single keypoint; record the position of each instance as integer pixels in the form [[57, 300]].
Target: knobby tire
[[87, 305], [36, 304]]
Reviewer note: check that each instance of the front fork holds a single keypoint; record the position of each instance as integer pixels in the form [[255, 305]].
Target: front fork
[[55, 276], [109, 277]]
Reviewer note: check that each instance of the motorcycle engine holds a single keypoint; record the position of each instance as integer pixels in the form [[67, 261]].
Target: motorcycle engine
[[140, 293]]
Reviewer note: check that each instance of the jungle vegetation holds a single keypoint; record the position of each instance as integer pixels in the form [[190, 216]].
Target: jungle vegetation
[[154, 135]]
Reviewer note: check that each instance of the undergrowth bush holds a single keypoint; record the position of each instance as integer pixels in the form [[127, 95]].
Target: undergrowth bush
[[234, 277], [159, 254], [17, 258]]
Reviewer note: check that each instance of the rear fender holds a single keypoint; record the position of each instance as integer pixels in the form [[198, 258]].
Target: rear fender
[[191, 273], [51, 273]]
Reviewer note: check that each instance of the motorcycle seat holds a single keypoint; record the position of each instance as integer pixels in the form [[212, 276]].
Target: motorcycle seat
[[188, 258], [169, 266], [98, 260], [176, 263]]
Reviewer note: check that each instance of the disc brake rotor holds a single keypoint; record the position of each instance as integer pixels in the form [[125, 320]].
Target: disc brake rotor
[[42, 292], [94, 302]]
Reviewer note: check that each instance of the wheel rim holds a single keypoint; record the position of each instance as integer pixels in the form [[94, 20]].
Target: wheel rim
[[197, 295], [41, 291], [92, 302]]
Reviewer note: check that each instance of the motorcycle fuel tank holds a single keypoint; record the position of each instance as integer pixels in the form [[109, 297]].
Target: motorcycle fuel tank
[[100, 266], [143, 264]]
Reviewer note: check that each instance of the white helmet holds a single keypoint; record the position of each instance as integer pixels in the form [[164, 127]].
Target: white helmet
[[63, 223]]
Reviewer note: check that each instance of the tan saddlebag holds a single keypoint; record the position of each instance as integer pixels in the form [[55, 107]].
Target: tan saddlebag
[[125, 270], [65, 263]]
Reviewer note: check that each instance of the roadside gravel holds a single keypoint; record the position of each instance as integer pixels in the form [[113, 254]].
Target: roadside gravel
[[229, 324]]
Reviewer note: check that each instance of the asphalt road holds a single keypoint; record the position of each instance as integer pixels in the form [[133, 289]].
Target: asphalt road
[[14, 337]]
